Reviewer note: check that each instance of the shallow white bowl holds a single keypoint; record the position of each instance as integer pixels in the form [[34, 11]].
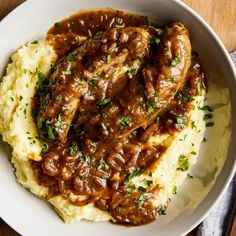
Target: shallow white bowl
[[31, 216]]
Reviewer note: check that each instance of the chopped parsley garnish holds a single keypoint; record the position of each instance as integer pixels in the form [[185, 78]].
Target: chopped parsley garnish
[[132, 71], [58, 97], [141, 189], [68, 72], [34, 42], [175, 61], [93, 84], [12, 99], [162, 210], [209, 124], [199, 88], [104, 116], [125, 121], [168, 53], [189, 176], [154, 41], [193, 125], [174, 190], [97, 36], [204, 139], [108, 59], [140, 200], [193, 153], [170, 79], [150, 174], [44, 148], [132, 175], [50, 133], [103, 103], [207, 108], [118, 20], [131, 188], [57, 24], [183, 163], [150, 110], [71, 57], [98, 74], [73, 148], [21, 97], [103, 165], [181, 122], [148, 182], [85, 159]]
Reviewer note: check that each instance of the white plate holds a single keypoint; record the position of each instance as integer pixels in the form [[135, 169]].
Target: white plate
[[31, 216]]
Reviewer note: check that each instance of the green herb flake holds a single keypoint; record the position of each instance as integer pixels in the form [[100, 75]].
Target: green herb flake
[[97, 74], [34, 42], [73, 148], [168, 53], [207, 108], [125, 121], [71, 57], [193, 125], [132, 71], [57, 24], [150, 110], [175, 61], [141, 199], [162, 210], [58, 97], [50, 133], [148, 182], [45, 148], [193, 153], [85, 159], [131, 188], [103, 165], [189, 176], [12, 99], [21, 97], [204, 139], [132, 175], [174, 190], [155, 41], [68, 72], [103, 103], [199, 88], [118, 20], [108, 59], [141, 189], [97, 36], [93, 84], [183, 163], [25, 71]]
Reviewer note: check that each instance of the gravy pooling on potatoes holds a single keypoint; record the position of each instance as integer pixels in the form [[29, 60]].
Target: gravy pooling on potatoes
[[119, 80]]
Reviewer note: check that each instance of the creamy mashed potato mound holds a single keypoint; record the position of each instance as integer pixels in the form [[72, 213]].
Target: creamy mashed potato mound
[[18, 128]]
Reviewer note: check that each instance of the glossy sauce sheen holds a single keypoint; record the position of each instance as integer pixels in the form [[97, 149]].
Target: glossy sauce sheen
[[119, 80]]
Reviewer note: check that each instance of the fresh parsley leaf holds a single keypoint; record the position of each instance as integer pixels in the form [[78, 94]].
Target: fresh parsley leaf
[[183, 163], [103, 103], [137, 172], [109, 59], [73, 148], [125, 121]]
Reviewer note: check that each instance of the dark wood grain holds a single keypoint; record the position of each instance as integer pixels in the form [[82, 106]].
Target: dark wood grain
[[213, 11]]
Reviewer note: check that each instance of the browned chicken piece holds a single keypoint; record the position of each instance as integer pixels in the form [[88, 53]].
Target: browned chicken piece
[[161, 81], [97, 69]]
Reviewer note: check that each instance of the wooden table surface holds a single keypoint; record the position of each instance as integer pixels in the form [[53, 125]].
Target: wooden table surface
[[220, 14]]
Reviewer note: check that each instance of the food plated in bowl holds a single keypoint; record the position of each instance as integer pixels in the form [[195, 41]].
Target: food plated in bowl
[[111, 116]]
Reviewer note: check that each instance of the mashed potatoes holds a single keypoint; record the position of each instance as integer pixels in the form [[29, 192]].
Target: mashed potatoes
[[18, 128]]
